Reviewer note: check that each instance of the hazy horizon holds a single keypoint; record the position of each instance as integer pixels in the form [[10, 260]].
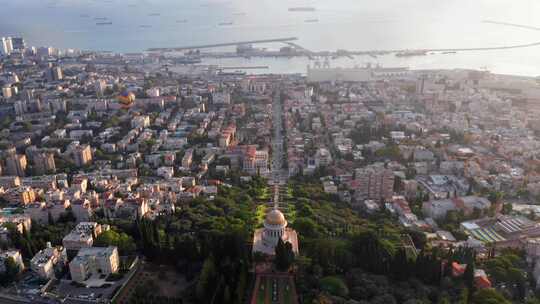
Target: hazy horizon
[[342, 24]]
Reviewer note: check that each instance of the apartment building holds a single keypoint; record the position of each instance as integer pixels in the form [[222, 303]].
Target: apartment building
[[46, 260], [82, 236], [374, 183], [94, 261]]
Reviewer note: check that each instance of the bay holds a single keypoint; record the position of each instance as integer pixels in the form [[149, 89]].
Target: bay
[[341, 24]]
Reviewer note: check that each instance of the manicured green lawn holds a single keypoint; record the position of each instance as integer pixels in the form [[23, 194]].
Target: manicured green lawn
[[260, 214], [287, 291], [265, 291], [265, 195], [262, 291], [289, 191], [289, 211]]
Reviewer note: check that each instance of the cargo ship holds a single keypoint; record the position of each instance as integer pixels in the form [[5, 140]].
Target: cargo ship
[[187, 60], [235, 73], [181, 21], [154, 14], [311, 20], [411, 53], [104, 23], [302, 9], [225, 23]]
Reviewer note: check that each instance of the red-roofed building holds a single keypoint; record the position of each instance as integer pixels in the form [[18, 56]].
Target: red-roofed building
[[214, 182], [480, 278], [195, 190], [458, 269], [482, 282]]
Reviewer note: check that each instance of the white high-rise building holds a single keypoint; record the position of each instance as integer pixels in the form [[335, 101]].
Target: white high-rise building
[[100, 86], [7, 92], [9, 45], [5, 46]]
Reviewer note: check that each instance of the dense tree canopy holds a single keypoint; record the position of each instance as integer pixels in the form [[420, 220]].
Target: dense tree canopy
[[124, 242]]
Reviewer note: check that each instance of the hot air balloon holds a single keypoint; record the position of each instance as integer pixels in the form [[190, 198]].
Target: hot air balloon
[[126, 99]]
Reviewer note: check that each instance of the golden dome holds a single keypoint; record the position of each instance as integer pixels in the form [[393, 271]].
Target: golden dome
[[275, 217]]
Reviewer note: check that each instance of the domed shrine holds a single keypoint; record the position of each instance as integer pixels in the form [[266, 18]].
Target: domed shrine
[[275, 227]]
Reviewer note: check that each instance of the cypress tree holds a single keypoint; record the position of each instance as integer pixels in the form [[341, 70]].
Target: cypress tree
[[227, 295], [401, 265], [468, 277], [50, 218], [284, 255], [241, 285]]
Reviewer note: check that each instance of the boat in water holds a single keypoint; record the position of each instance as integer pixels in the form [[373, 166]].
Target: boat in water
[[225, 23], [104, 23], [154, 15], [302, 9], [187, 60], [145, 26], [411, 53], [311, 20], [235, 73], [181, 21], [100, 18]]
